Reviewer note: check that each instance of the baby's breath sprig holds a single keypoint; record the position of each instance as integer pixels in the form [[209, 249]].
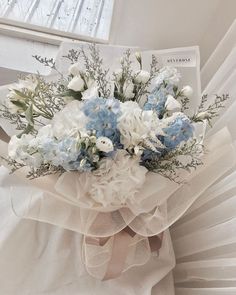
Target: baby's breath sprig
[[143, 89], [212, 110], [94, 68], [170, 163], [72, 56], [44, 170]]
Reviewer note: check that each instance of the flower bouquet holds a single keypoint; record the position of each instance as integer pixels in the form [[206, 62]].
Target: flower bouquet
[[117, 157]]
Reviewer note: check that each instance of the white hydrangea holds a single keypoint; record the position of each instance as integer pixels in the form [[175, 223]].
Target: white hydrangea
[[117, 180], [137, 126], [25, 150], [168, 74], [70, 120]]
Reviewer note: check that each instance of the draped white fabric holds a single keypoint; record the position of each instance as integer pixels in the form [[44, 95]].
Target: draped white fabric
[[204, 239], [41, 258]]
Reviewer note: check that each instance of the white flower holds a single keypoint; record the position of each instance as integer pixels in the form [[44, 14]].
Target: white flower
[[45, 132], [202, 116], [172, 104], [187, 91], [74, 69], [128, 89], [76, 84], [117, 181], [168, 74], [135, 125], [141, 76], [70, 120], [104, 144], [24, 150], [91, 92]]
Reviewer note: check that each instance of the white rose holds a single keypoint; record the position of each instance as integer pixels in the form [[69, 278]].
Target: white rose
[[76, 84], [128, 89], [104, 144], [74, 69], [187, 91], [141, 77], [172, 104]]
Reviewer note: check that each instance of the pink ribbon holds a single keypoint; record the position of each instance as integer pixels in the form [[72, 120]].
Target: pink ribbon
[[3, 136], [120, 247]]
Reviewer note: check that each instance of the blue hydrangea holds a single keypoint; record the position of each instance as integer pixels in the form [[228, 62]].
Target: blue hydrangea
[[103, 115], [83, 163], [93, 107], [157, 98], [178, 131]]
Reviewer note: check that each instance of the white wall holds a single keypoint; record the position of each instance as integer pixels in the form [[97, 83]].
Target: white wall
[[153, 24], [163, 24]]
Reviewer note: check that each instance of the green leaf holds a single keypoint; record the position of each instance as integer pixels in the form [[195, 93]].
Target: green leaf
[[75, 94], [21, 94], [19, 104], [29, 115], [27, 130]]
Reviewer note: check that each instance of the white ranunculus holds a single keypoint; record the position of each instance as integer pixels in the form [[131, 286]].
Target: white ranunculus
[[187, 91], [172, 104], [76, 84], [141, 77], [74, 69], [104, 144], [128, 89]]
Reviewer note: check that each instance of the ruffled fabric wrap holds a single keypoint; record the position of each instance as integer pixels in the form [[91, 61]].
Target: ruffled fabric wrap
[[118, 238]]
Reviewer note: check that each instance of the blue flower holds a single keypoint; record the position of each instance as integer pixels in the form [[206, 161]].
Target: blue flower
[[83, 163], [113, 105], [103, 115], [92, 107], [178, 131], [157, 99]]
